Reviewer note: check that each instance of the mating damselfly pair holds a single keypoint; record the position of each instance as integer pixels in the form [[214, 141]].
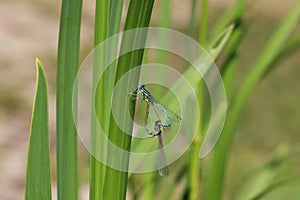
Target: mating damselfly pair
[[163, 118]]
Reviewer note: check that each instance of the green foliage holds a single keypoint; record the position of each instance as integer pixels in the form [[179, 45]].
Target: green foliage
[[185, 180], [115, 182], [67, 66], [102, 29], [221, 151], [38, 180]]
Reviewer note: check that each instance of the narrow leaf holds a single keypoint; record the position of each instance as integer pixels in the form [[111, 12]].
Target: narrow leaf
[[231, 16], [115, 184], [101, 102], [67, 66], [38, 180]]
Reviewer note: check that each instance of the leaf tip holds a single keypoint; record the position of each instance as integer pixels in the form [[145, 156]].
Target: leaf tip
[[39, 65]]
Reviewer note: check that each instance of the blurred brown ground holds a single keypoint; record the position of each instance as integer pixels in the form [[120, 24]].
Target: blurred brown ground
[[29, 29]]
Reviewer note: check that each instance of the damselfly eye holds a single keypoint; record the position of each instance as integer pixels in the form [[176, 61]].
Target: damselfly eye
[[140, 96], [141, 86]]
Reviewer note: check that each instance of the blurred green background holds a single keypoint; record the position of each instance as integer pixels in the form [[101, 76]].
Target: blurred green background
[[30, 28]]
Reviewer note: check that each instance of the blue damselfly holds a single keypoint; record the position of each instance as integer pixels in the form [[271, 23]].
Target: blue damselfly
[[142, 94]]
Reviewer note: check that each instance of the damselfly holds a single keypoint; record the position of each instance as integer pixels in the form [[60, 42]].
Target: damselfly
[[141, 93]]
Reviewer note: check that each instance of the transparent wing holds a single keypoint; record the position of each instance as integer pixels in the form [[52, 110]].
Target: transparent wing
[[162, 115], [156, 112], [150, 118], [175, 117]]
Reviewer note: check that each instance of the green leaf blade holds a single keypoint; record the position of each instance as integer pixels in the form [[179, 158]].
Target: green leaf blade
[[139, 14], [67, 67], [97, 169], [38, 180]]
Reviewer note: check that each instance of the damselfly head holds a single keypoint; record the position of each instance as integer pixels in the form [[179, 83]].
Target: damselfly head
[[141, 86]]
